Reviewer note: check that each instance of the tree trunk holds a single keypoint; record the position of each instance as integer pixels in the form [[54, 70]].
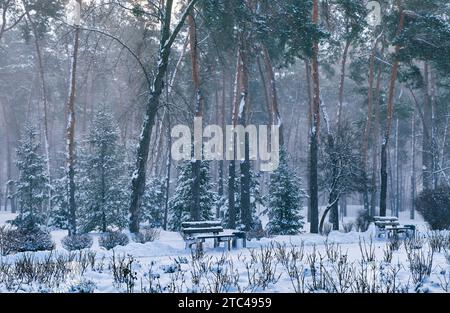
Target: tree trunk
[[275, 112], [9, 188], [390, 113], [103, 194], [265, 89], [397, 172], [222, 162], [314, 133], [434, 133], [246, 216], [167, 182], [413, 165], [341, 84], [368, 126], [232, 164], [195, 206], [333, 200], [44, 101], [376, 139], [310, 106], [427, 153], [70, 133], [138, 179]]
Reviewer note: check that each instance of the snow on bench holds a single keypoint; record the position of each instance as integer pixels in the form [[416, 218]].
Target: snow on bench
[[198, 231]]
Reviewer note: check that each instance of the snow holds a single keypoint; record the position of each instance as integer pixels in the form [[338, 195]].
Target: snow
[[168, 259], [241, 106]]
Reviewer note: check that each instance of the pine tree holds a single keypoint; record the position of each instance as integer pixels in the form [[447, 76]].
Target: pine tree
[[102, 184], [32, 185], [153, 202], [181, 201], [284, 201]]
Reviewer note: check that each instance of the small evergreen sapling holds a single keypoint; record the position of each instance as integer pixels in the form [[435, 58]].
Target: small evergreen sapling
[[32, 184], [153, 202], [102, 189], [284, 201]]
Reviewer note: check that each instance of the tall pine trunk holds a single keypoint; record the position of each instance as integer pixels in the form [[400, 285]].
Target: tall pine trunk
[[376, 139], [44, 101], [314, 133], [196, 163], [390, 113], [222, 124], [274, 108], [413, 165], [232, 164], [427, 150], [310, 106], [368, 127], [9, 187], [246, 216], [138, 178], [167, 181], [70, 133]]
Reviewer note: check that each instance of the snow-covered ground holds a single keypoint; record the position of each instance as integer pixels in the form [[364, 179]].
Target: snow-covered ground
[[305, 263]]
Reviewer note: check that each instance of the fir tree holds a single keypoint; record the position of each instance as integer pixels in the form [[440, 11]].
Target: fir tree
[[181, 201], [32, 185], [285, 200], [152, 206], [102, 184], [60, 214]]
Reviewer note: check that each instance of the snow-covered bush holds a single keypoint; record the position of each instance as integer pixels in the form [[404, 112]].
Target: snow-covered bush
[[123, 273], [33, 239], [447, 256], [434, 206], [257, 231], [113, 239], [171, 268], [77, 242], [420, 263], [395, 242], [415, 242], [5, 240], [147, 234], [438, 240], [363, 220], [347, 227], [84, 286]]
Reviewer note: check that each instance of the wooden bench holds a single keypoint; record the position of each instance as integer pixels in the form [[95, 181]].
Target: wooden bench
[[390, 226], [407, 230], [196, 233]]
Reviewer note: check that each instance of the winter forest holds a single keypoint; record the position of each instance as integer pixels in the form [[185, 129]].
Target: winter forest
[[338, 182]]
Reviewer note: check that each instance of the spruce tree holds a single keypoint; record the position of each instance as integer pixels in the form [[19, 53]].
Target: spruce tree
[[153, 201], [180, 202], [102, 183], [284, 201], [32, 184]]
